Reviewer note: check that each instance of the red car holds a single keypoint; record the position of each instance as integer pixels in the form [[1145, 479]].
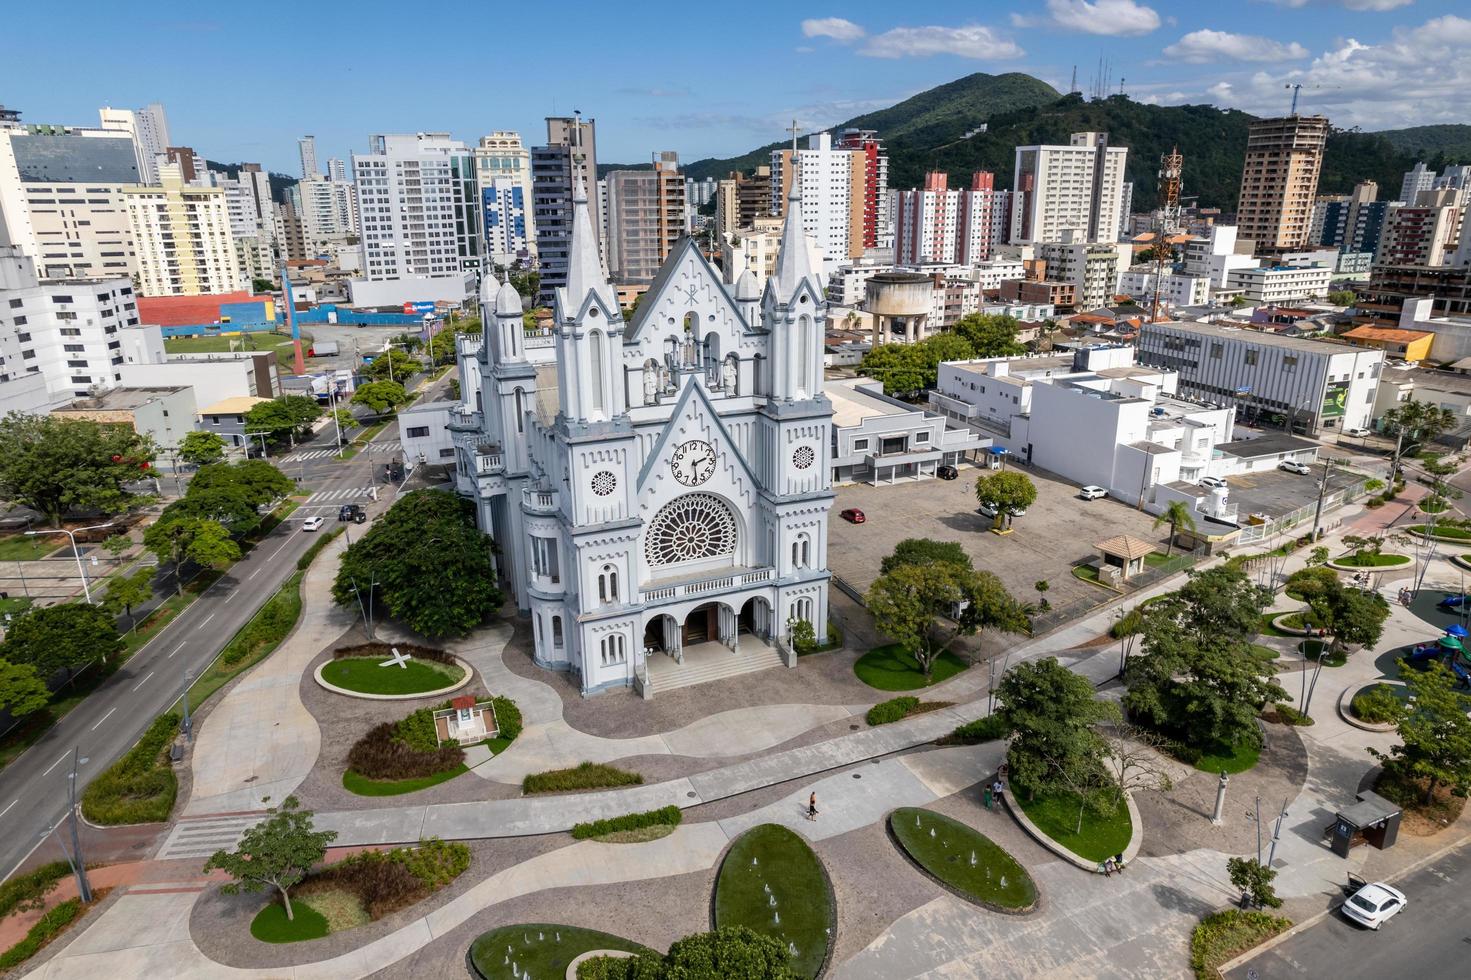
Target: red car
[[853, 515]]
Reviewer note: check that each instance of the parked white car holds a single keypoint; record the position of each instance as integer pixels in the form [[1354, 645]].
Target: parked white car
[[989, 509], [1212, 481], [1294, 466], [1092, 492], [1373, 905], [312, 524], [1358, 433]]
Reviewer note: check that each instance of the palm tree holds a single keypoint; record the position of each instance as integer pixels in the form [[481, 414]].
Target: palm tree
[[1176, 515]]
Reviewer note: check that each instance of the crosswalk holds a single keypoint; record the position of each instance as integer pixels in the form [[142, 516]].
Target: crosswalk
[[314, 454], [343, 494], [373, 448], [202, 836]]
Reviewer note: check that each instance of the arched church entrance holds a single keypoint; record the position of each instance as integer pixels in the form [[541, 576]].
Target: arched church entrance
[[662, 634], [755, 618]]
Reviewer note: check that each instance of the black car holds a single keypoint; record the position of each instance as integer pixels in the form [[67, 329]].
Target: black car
[[352, 512], [947, 472]]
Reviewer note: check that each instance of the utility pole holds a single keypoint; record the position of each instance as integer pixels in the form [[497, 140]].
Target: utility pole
[[84, 887], [1322, 492]]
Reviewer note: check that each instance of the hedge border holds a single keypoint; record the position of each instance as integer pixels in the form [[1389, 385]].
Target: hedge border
[[666, 816]]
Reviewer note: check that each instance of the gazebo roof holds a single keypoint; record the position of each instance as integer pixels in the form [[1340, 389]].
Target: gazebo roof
[[462, 702], [1125, 546]]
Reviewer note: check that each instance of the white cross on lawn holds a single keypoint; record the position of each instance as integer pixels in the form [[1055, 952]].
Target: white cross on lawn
[[399, 660]]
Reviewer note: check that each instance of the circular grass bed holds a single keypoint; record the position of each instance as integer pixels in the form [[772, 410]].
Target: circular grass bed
[[963, 860], [1056, 815], [892, 668], [1310, 649], [540, 949], [364, 676], [1443, 533], [773, 883], [270, 924], [1432, 505], [1372, 703], [1365, 559]]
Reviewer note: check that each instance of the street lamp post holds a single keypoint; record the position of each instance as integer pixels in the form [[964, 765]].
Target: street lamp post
[[84, 887], [86, 589], [188, 724], [262, 437]]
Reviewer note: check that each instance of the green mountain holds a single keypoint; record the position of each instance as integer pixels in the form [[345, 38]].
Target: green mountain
[[280, 183], [935, 131]]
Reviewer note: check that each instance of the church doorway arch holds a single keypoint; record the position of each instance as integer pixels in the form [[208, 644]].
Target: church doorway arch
[[662, 634], [755, 618], [711, 622]]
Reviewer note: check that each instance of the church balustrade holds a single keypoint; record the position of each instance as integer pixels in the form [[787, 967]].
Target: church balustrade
[[463, 419], [540, 337], [540, 501], [489, 460], [704, 586]]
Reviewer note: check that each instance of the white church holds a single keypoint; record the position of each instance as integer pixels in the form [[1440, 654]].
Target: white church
[[658, 488]]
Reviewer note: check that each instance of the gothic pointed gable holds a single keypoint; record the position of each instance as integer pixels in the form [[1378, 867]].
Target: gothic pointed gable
[[584, 266], [685, 281], [694, 417], [793, 260]]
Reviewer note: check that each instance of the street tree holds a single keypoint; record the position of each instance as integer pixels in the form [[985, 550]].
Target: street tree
[[923, 551], [1051, 713], [1042, 586], [924, 608], [276, 853], [425, 563], [287, 417], [344, 418], [126, 591], [901, 368], [1434, 732], [1135, 758], [21, 690], [1006, 491], [1342, 297], [257, 480], [117, 545], [1176, 515], [393, 365], [381, 397], [1255, 881], [64, 637], [989, 335], [58, 465], [181, 536], [1413, 423], [1350, 616], [1311, 582], [200, 448]]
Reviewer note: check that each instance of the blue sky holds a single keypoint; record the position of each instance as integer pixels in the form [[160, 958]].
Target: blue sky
[[243, 82]]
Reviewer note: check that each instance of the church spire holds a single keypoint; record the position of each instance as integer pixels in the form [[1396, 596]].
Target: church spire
[[584, 267], [793, 262]]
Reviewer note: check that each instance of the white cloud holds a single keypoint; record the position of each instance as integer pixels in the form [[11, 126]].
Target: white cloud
[[971, 41], [834, 27], [1108, 17], [1204, 46], [1350, 4]]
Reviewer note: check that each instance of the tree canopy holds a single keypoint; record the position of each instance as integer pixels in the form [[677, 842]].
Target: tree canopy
[[380, 397], [1351, 616], [922, 551], [58, 465], [126, 591], [431, 565], [280, 418], [277, 853], [21, 690], [200, 448], [1007, 491], [924, 607], [393, 365], [1176, 515], [907, 368], [257, 480], [1434, 732], [1050, 712], [64, 637], [730, 953]]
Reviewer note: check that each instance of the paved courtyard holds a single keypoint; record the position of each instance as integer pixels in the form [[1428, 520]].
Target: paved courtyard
[[1058, 532], [1277, 492]]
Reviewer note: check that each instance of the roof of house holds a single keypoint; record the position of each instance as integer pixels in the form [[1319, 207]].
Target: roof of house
[[1125, 546], [1271, 444], [120, 399], [1392, 335], [853, 404], [238, 405]]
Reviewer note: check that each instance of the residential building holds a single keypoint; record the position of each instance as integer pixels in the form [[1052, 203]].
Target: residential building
[[226, 418], [1402, 345], [741, 199], [1282, 283], [1296, 383], [61, 198], [1075, 189], [1418, 178], [1126, 205], [881, 440], [1175, 289], [833, 184], [645, 521], [191, 165], [165, 415], [337, 170], [1060, 295], [1092, 267], [753, 248], [1450, 341], [329, 212], [1280, 181], [1216, 256], [1391, 288], [991, 273], [417, 206], [1450, 390], [148, 128], [290, 237], [646, 218], [697, 193], [1424, 233], [1354, 223], [307, 147], [424, 433], [939, 225], [878, 223], [569, 158], [252, 220], [183, 238], [503, 179]]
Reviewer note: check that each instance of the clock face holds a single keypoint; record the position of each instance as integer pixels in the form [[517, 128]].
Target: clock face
[[693, 462]]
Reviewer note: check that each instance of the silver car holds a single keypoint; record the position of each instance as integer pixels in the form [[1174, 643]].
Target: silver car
[[1373, 905]]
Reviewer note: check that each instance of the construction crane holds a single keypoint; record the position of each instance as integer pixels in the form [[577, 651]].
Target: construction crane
[[1170, 166], [1296, 88]]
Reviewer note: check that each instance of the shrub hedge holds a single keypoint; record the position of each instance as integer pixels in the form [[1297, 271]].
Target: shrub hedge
[[48, 928], [987, 729], [34, 884], [1376, 705], [305, 560], [587, 775], [507, 717], [1225, 935], [894, 709], [1289, 715], [664, 816], [268, 627], [386, 881], [382, 754], [385, 650], [141, 786]]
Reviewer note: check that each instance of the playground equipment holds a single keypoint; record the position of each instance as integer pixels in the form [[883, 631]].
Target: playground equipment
[[1449, 649]]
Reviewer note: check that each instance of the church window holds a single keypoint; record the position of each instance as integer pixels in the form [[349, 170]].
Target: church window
[[804, 355], [520, 410], [604, 482], [556, 631], [544, 562], [608, 584], [694, 527], [595, 353]]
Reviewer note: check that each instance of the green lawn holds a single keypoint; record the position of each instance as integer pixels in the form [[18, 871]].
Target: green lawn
[[270, 924], [365, 676], [1156, 558], [1088, 573], [1229, 760], [1365, 559], [1454, 533], [962, 858], [260, 340], [1056, 815], [540, 949], [1262, 652], [1433, 505], [14, 605], [363, 786], [772, 882], [891, 668], [18, 547]]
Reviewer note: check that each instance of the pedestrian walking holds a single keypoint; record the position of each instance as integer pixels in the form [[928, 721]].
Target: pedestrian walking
[[812, 806], [996, 791], [1118, 863]]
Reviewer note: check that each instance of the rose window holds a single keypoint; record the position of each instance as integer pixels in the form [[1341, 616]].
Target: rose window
[[803, 457], [604, 482], [694, 527]]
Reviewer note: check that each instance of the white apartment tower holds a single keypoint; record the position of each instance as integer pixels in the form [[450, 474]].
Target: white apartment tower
[[1075, 189], [307, 147], [337, 170], [503, 194], [148, 128], [1418, 178], [416, 203], [183, 238], [949, 227], [832, 186]]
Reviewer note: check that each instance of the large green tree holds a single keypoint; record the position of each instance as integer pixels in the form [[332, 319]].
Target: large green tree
[[1195, 679], [1434, 732], [425, 563], [276, 853], [257, 480], [126, 591], [21, 690], [1007, 491], [57, 465], [54, 638], [1351, 616], [989, 335], [200, 448], [1414, 423], [380, 397], [901, 368], [1050, 713], [925, 607], [181, 537], [283, 418], [922, 551], [393, 365]]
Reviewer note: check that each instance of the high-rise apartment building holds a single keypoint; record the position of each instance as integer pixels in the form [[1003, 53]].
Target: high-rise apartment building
[[1279, 182], [1072, 192], [148, 128], [878, 223], [307, 147], [1093, 268], [949, 227], [337, 170], [191, 165], [646, 217], [61, 198], [568, 160], [328, 209], [1424, 233], [1353, 222], [1418, 178], [503, 183], [252, 220], [183, 238], [741, 199], [416, 205], [833, 184]]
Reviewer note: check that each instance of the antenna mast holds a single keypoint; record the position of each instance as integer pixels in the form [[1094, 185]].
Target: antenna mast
[[1171, 164]]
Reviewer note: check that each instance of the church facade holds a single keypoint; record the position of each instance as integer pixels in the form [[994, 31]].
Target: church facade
[[658, 485]]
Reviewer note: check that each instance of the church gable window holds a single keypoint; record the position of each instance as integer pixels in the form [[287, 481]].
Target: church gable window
[[695, 527]]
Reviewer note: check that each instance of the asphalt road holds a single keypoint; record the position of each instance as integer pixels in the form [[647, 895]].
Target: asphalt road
[[33, 789], [1430, 938]]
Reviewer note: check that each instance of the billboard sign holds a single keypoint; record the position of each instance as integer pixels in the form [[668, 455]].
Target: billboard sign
[[412, 308], [1335, 400]]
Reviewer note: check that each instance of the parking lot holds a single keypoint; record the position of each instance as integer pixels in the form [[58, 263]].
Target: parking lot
[[1058, 532], [1277, 492]]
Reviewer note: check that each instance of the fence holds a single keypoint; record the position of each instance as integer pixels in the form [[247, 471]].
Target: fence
[[1056, 616], [1332, 501]]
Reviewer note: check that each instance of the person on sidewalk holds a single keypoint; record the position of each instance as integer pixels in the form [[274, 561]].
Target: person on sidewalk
[[1118, 862], [996, 791], [1106, 868], [812, 806]]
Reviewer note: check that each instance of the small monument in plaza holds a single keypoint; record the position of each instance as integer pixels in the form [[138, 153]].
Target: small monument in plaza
[[399, 660]]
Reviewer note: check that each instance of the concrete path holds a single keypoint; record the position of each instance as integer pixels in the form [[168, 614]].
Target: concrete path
[[260, 742]]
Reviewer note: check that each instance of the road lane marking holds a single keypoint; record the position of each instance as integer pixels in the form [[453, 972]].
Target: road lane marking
[[206, 621], [231, 594], [103, 718], [282, 548], [143, 681], [176, 650], [57, 762], [7, 809], [252, 575]]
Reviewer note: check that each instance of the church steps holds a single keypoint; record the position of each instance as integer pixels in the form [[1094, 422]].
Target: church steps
[[674, 676]]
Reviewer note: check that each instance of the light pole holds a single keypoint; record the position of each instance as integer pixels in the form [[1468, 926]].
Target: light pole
[[86, 589], [84, 887], [262, 437], [188, 724]]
